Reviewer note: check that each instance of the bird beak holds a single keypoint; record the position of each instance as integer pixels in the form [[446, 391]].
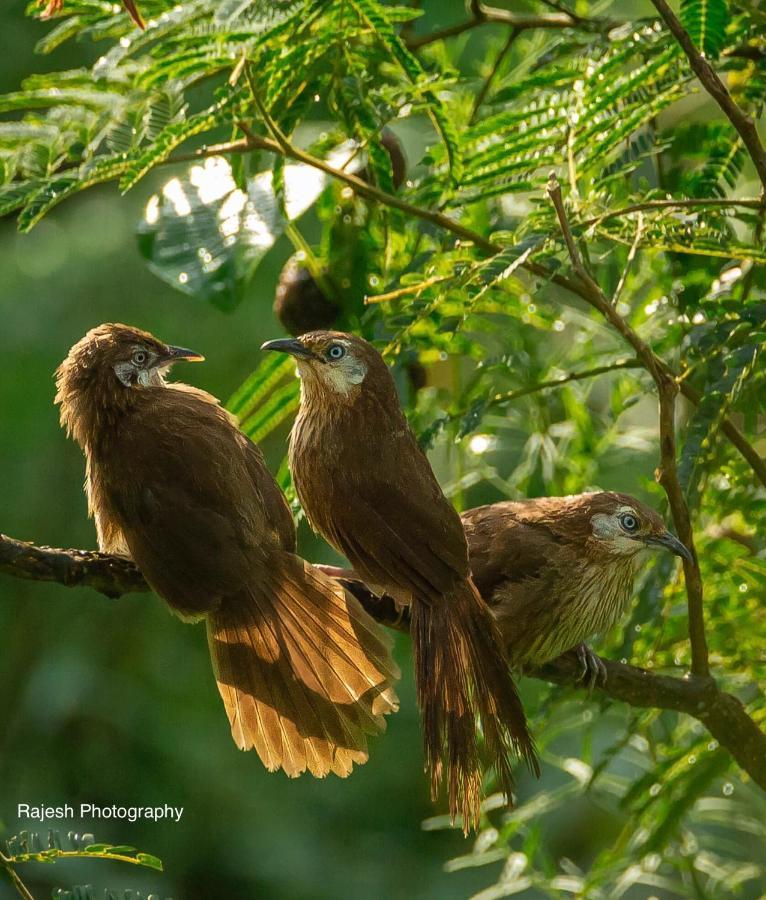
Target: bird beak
[[176, 354], [668, 541], [289, 345]]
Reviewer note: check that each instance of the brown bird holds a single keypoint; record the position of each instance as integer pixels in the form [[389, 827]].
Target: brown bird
[[367, 487], [303, 671], [554, 570]]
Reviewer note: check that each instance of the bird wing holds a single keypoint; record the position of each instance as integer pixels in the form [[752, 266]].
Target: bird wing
[[192, 498], [505, 547], [389, 516]]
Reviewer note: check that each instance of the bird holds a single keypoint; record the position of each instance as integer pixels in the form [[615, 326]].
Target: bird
[[369, 490], [554, 571], [304, 673]]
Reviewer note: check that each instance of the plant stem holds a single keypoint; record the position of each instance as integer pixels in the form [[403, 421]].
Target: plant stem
[[15, 878], [709, 79], [667, 390]]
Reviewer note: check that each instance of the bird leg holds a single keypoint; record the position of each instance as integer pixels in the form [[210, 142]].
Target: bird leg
[[592, 666]]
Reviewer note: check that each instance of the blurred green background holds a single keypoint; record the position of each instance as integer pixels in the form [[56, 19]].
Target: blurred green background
[[114, 702]]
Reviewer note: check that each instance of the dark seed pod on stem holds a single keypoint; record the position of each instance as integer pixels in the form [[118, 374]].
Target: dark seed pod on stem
[[300, 305]]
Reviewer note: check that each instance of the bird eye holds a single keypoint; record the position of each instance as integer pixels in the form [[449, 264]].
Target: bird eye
[[628, 522], [140, 357], [336, 351]]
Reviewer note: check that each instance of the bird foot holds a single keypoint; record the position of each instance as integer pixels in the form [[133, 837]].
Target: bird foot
[[593, 668]]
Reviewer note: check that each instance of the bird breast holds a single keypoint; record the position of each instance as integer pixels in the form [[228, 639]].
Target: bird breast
[[541, 624]]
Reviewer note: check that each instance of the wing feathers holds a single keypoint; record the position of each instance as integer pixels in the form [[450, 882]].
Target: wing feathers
[[304, 673]]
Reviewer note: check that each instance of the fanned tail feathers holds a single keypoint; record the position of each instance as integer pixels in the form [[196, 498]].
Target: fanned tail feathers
[[304, 673], [461, 673]]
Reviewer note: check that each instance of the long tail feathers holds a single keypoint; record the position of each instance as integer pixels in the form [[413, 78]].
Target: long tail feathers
[[461, 673], [304, 673]]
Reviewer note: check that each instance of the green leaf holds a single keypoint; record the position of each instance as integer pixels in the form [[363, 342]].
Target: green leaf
[[271, 370], [375, 14], [272, 412], [205, 236], [706, 22]]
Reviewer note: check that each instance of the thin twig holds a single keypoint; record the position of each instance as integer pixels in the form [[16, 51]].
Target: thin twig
[[15, 878], [482, 15], [667, 390], [484, 91], [509, 396], [648, 205], [709, 79], [629, 261]]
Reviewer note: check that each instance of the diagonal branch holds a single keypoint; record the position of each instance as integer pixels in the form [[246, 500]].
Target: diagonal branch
[[709, 79], [481, 14], [722, 713], [667, 390]]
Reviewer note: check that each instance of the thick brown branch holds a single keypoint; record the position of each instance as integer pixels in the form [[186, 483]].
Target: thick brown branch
[[709, 79], [723, 714], [109, 575]]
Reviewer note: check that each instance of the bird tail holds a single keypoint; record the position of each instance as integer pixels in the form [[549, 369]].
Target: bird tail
[[304, 673], [462, 672]]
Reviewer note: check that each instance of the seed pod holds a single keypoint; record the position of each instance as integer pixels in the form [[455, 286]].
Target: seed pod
[[299, 303]]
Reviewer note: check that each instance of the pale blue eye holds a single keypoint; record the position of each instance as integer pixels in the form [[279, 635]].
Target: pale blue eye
[[336, 351], [628, 522]]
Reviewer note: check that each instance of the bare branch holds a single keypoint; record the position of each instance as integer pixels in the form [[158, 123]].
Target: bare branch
[[482, 15], [709, 79], [109, 575], [667, 390]]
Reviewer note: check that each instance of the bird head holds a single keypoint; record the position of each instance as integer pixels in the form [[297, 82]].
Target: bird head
[[335, 364], [107, 364], [127, 355], [623, 525]]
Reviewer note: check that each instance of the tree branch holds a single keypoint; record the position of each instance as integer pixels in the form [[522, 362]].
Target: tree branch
[[709, 79], [722, 714], [667, 390], [649, 205], [480, 14], [109, 575]]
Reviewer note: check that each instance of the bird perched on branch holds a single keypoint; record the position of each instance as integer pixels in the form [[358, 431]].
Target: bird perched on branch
[[554, 570], [304, 673], [367, 487]]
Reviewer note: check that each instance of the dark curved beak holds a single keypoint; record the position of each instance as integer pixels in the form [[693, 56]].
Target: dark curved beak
[[668, 541], [176, 354], [289, 345]]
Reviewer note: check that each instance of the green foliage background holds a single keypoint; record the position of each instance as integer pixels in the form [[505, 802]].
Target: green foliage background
[[113, 702]]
